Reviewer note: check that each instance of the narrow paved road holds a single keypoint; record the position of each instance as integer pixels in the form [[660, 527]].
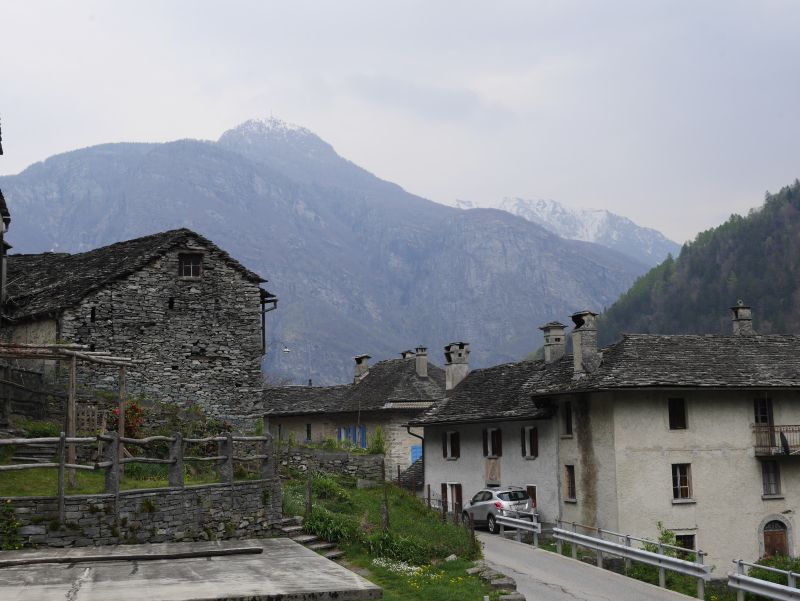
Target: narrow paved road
[[545, 576]]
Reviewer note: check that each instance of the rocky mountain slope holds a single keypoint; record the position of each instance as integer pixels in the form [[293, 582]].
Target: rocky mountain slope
[[753, 258], [359, 265], [591, 225]]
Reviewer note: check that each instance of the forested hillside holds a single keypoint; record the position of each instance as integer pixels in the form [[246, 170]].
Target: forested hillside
[[754, 258]]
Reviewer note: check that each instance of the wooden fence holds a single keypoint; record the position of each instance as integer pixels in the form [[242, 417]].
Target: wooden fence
[[113, 461]]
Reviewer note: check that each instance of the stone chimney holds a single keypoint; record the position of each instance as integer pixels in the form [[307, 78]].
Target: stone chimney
[[362, 368], [585, 355], [422, 362], [456, 363], [742, 320], [555, 341]]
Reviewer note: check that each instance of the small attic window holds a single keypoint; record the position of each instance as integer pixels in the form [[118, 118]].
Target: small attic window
[[93, 315], [190, 265]]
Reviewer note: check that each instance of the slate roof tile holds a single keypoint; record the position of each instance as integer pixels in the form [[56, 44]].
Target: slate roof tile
[[388, 385], [48, 282]]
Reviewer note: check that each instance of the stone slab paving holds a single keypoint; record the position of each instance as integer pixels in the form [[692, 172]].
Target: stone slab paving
[[219, 571]]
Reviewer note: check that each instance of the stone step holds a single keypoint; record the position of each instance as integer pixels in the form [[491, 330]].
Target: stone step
[[305, 539], [292, 530], [321, 546], [503, 584], [292, 521], [513, 597], [336, 554]]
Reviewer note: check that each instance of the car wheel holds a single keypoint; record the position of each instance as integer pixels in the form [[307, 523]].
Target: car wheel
[[465, 518], [491, 524]]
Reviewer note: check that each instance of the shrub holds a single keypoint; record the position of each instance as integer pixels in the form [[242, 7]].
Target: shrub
[[331, 444], [780, 562], [35, 429], [377, 443], [134, 418], [332, 526], [10, 538], [329, 489]]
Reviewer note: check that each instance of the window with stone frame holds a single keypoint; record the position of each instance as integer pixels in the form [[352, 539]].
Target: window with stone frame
[[190, 265], [570, 491], [529, 438], [566, 418], [492, 442], [681, 481], [771, 477], [451, 445], [677, 414], [686, 541]]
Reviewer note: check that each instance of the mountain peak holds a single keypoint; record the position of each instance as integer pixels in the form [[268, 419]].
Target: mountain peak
[[270, 126]]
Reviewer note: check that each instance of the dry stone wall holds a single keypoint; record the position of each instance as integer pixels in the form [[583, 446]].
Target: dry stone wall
[[366, 467], [249, 509]]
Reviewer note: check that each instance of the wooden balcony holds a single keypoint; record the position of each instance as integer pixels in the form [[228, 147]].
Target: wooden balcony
[[773, 441]]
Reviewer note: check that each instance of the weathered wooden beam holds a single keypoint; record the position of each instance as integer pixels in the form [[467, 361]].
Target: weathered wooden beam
[[71, 411]]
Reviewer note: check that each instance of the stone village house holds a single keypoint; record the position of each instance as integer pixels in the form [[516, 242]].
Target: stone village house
[[387, 394], [697, 432], [192, 315]]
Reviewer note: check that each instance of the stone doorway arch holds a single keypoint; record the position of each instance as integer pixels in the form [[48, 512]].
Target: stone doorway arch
[[775, 536]]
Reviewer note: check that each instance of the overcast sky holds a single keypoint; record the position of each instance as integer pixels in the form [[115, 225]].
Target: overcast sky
[[672, 113]]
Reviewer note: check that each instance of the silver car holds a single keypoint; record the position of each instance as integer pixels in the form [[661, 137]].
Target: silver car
[[488, 503]]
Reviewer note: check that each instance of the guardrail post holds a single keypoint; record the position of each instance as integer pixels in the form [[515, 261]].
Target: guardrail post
[[792, 579], [701, 584], [740, 594], [662, 573], [627, 560], [574, 545], [599, 553], [62, 459], [176, 467], [535, 540], [502, 530]]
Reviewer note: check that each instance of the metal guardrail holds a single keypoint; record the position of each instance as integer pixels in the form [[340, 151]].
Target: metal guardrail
[[658, 559], [771, 590], [520, 525]]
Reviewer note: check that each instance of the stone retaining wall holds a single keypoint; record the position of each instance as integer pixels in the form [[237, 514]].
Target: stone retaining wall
[[367, 467], [247, 509]]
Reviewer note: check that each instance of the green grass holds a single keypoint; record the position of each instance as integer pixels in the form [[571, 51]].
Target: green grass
[[352, 518], [445, 581], [43, 482]]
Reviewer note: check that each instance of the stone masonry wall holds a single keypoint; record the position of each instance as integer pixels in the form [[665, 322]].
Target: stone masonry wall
[[249, 509], [367, 467], [199, 338]]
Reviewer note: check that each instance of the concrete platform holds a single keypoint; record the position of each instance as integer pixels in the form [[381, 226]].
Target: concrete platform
[[255, 570]]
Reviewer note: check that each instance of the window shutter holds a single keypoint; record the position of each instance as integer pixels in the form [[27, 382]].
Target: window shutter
[[534, 442], [455, 444], [485, 443], [444, 445], [457, 500], [497, 442], [444, 496], [522, 440]]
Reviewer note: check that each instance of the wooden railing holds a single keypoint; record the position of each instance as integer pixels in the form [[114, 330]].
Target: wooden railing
[[777, 440], [112, 463]]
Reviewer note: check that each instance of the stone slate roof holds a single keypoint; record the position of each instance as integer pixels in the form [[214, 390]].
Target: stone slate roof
[[304, 400], [524, 390], [495, 393], [388, 385], [688, 361], [49, 282]]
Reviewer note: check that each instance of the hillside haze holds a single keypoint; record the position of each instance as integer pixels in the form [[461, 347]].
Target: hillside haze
[[752, 258], [359, 265]]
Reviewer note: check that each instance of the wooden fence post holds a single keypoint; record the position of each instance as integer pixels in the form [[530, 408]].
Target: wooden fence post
[[121, 420], [385, 507], [176, 467], [309, 494], [225, 468], [112, 471], [71, 410], [429, 496], [62, 459], [267, 463]]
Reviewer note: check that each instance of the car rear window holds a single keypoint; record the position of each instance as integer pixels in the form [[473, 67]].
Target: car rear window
[[514, 495]]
